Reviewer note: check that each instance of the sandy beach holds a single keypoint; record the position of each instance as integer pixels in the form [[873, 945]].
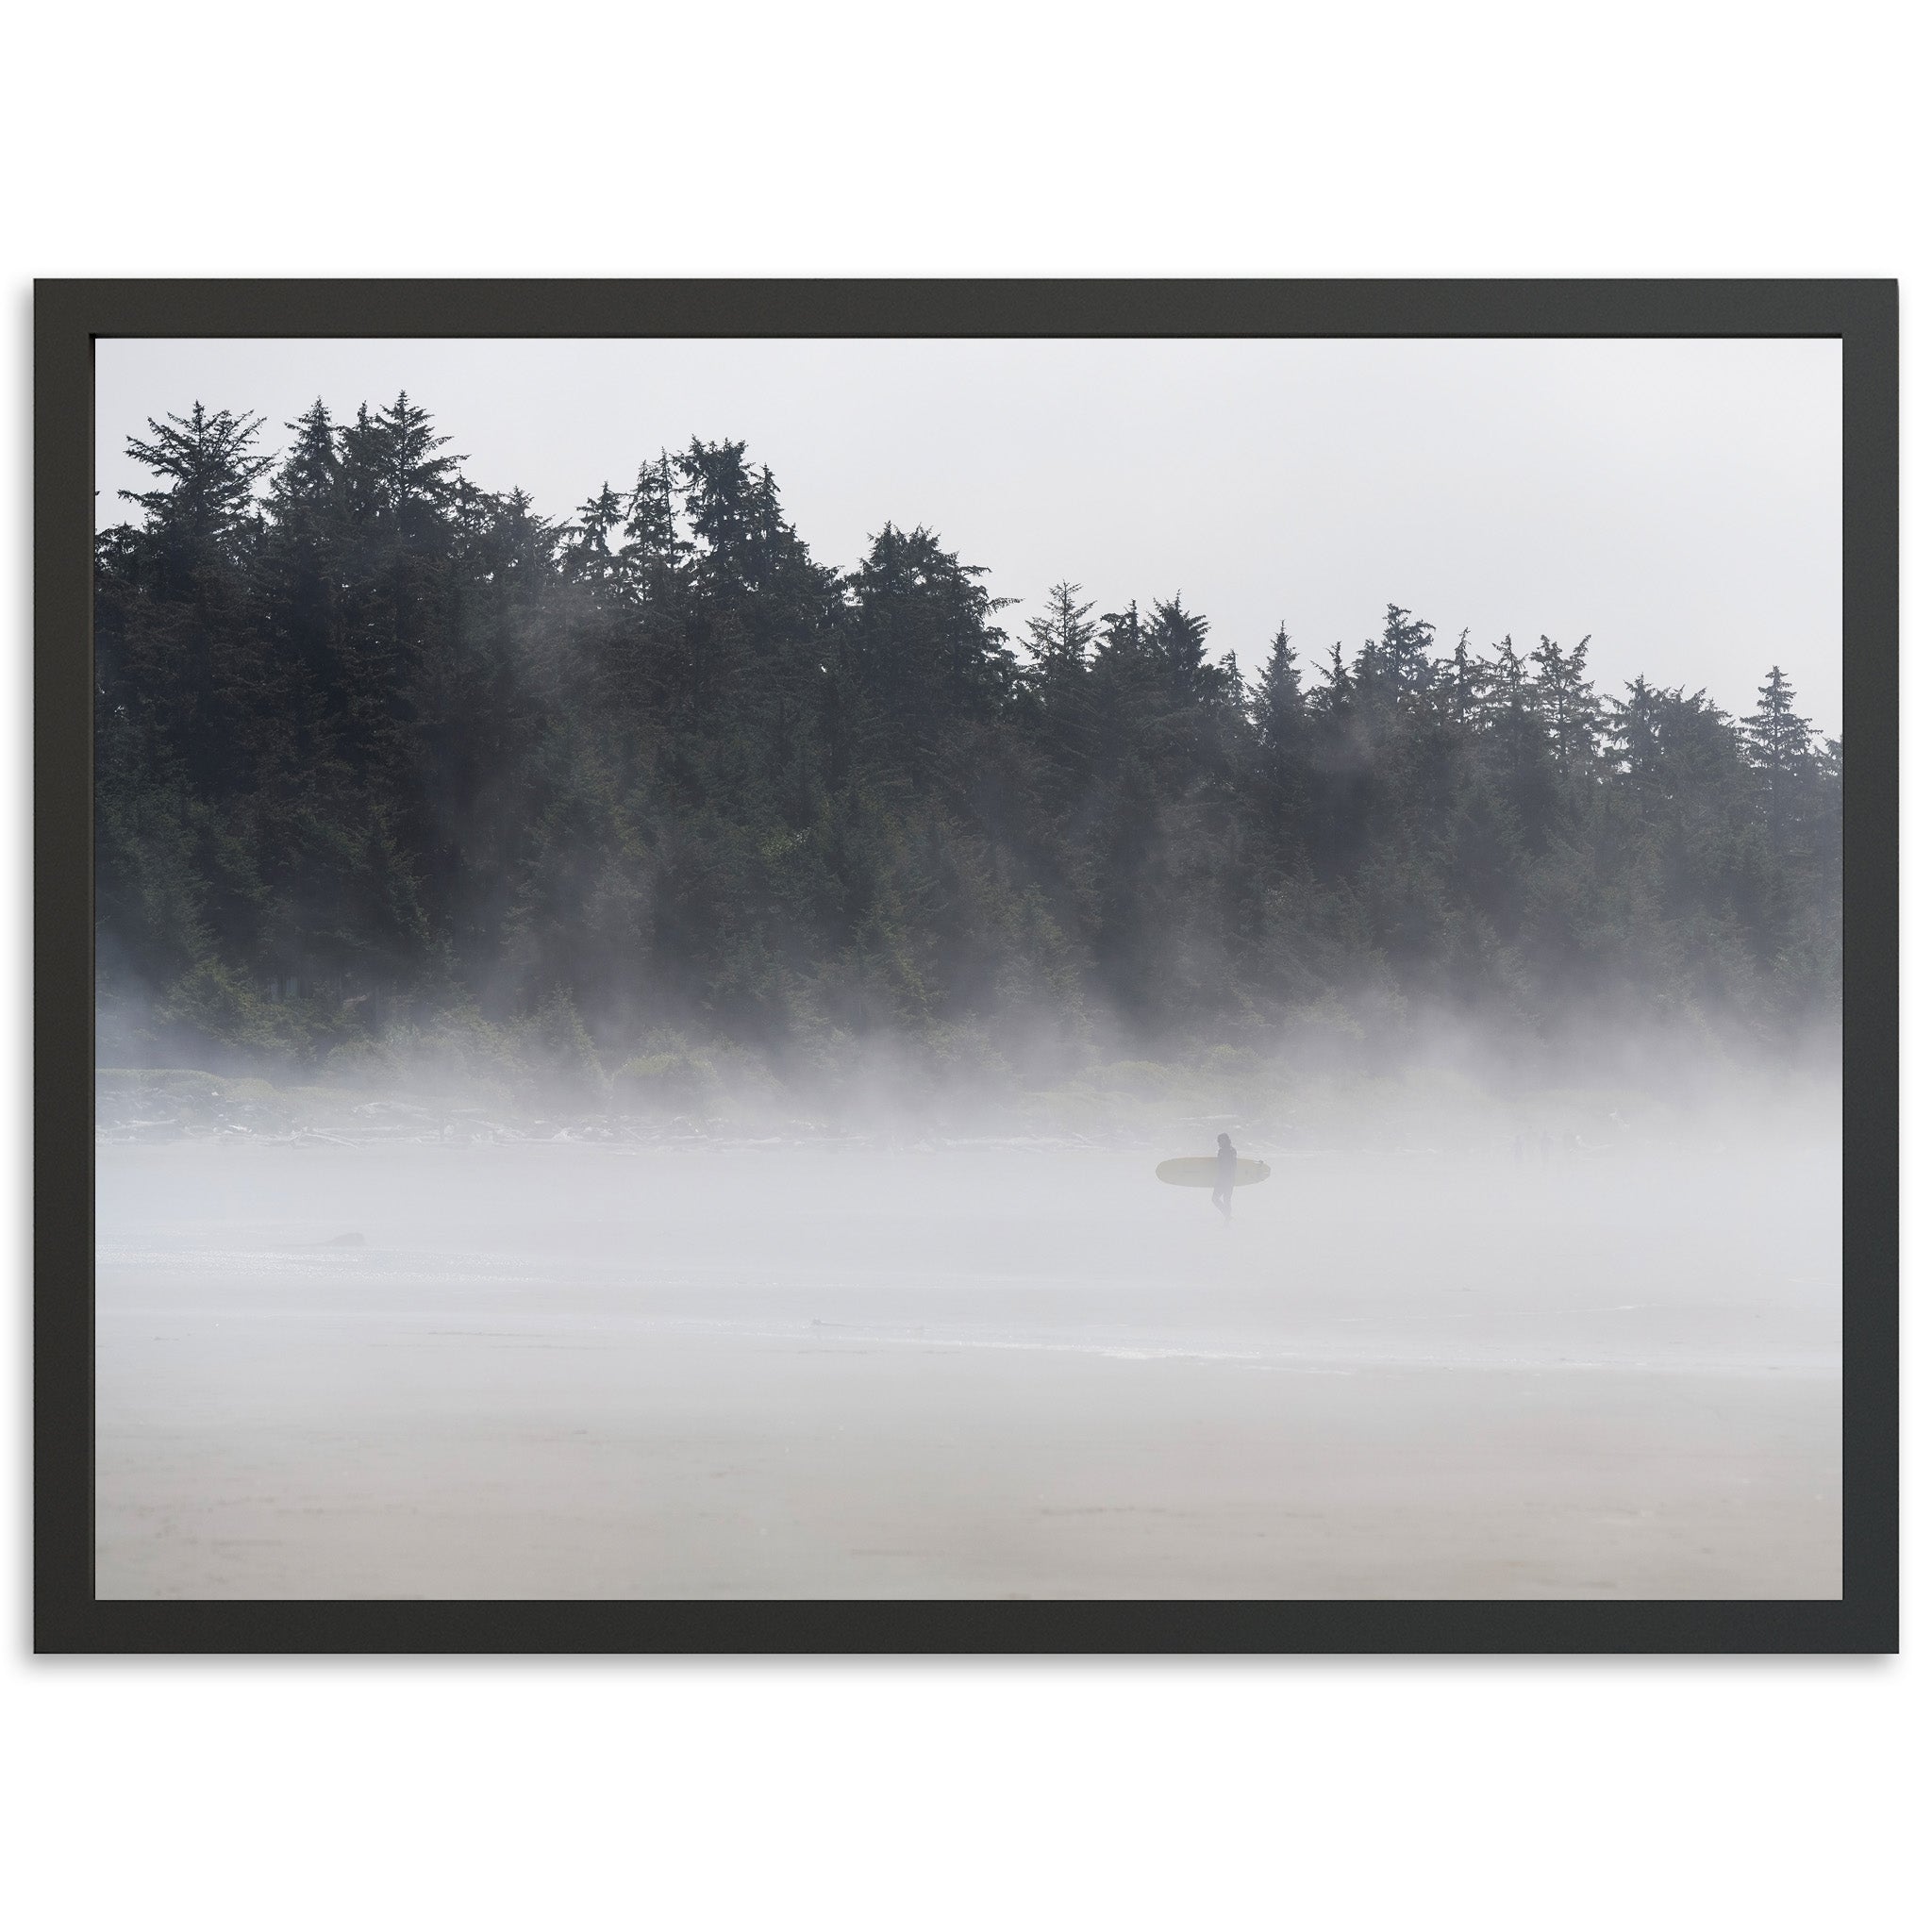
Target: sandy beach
[[724, 1370]]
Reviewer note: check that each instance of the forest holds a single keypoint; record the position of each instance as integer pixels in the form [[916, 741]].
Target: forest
[[391, 769]]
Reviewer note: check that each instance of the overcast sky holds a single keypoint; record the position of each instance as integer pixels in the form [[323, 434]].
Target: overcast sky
[[1676, 500]]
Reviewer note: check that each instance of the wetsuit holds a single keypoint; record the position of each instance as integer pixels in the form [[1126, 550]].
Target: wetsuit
[[1224, 1181]]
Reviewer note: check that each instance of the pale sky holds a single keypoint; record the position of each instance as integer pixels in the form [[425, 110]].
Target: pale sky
[[1677, 500]]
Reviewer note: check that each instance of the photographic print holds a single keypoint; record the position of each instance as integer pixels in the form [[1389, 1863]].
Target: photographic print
[[902, 969]]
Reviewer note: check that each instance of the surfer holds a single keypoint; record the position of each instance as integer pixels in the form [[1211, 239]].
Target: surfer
[[1223, 1176]]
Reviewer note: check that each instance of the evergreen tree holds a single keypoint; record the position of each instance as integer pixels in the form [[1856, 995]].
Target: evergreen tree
[[654, 549], [1278, 715], [208, 498], [1061, 640], [1279, 709], [1062, 643], [1398, 664], [1778, 746], [375, 746], [1179, 640], [1337, 695], [587, 552]]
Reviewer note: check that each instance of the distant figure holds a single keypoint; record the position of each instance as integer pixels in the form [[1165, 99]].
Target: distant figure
[[1224, 1178], [1544, 1144]]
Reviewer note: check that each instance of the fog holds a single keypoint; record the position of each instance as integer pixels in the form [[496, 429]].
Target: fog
[[633, 1054], [1463, 1341]]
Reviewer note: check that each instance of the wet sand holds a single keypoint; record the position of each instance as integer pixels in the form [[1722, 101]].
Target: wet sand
[[579, 1371]]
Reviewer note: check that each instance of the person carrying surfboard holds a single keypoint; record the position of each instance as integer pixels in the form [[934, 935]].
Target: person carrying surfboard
[[1223, 1176], [1222, 1171]]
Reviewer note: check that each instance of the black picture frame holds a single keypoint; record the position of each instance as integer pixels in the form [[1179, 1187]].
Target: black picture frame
[[69, 317]]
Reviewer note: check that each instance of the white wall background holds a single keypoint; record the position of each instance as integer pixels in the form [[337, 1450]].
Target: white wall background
[[1650, 139]]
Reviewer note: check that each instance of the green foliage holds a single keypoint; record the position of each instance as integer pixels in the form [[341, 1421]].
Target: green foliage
[[394, 774], [680, 1080], [211, 1005]]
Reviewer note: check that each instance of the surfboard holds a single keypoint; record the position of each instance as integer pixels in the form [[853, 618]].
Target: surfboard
[[1198, 1172]]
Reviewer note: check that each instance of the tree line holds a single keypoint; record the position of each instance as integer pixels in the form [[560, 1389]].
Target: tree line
[[379, 750]]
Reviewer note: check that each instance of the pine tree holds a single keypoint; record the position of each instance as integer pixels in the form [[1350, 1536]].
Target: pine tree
[[308, 482], [1062, 643], [210, 469], [1061, 640], [1276, 705], [406, 483], [1466, 682], [1399, 662], [1336, 694], [726, 517], [1278, 713], [1178, 638], [370, 730], [1778, 743], [587, 554], [654, 549], [1566, 701]]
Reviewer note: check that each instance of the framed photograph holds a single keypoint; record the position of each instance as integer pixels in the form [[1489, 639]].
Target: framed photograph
[[966, 966]]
